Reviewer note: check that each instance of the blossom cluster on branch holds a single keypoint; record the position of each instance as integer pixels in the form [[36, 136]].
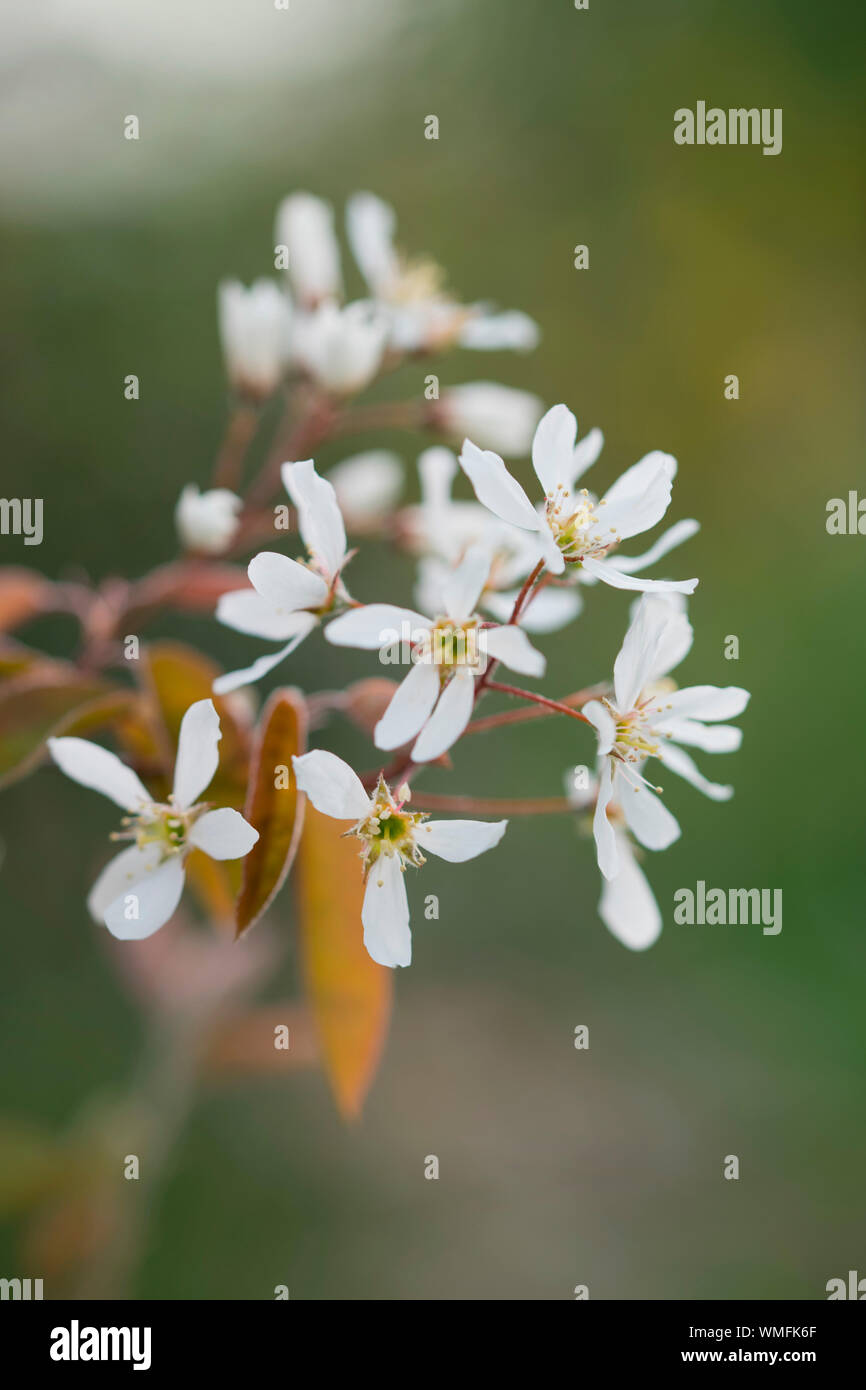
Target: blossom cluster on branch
[[497, 577]]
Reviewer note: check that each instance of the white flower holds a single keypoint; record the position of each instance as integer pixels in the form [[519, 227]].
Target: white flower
[[289, 598], [434, 701], [340, 348], [501, 417], [441, 530], [139, 890], [421, 315], [627, 905], [367, 486], [392, 839], [573, 528], [254, 328], [207, 521], [649, 718], [305, 226]]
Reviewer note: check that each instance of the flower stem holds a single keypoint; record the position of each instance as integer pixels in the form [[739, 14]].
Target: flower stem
[[557, 706], [292, 443], [494, 805], [539, 711], [240, 433], [486, 683]]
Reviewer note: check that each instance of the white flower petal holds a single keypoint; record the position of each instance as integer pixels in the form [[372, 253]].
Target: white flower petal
[[628, 512], [385, 914], [617, 579], [647, 816], [410, 708], [627, 906], [93, 766], [604, 724], [495, 488], [511, 645], [148, 904], [708, 701], [331, 785], [677, 633], [459, 840], [511, 331], [642, 476], [658, 637], [284, 583], [234, 680], [668, 540], [437, 468], [320, 521], [370, 228], [553, 448], [712, 738], [684, 766], [448, 719], [305, 226], [119, 876], [550, 551], [605, 837], [197, 753], [376, 625], [498, 417], [246, 611], [462, 587], [223, 834], [586, 451]]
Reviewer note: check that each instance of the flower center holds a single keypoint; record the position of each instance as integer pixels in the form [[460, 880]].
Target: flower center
[[455, 644], [575, 524], [635, 738], [388, 829], [159, 823], [418, 282]]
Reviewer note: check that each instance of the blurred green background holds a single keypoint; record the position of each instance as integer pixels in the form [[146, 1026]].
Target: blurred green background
[[558, 1167]]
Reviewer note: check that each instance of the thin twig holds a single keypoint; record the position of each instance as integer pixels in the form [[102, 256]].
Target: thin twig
[[537, 711], [496, 805], [555, 705], [240, 433]]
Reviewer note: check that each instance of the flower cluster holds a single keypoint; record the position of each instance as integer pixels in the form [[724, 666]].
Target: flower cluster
[[495, 577]]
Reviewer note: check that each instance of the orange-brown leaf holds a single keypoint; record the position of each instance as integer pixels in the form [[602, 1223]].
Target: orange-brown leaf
[[23, 594], [276, 812], [177, 676], [46, 702], [349, 994]]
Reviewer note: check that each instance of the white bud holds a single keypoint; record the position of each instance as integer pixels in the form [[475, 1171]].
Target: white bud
[[367, 485], [207, 521], [492, 416], [341, 348], [305, 226], [254, 331]]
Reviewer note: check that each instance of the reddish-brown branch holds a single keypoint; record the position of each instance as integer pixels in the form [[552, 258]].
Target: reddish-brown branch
[[241, 431], [536, 711], [555, 705], [292, 442], [495, 805], [385, 415], [485, 683]]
